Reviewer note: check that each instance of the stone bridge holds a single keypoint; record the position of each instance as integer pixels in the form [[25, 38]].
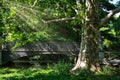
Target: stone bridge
[[68, 48]]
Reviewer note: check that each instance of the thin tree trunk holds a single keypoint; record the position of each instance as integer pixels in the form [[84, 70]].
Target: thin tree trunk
[[88, 56]]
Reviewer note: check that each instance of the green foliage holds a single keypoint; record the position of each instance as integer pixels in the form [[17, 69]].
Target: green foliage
[[61, 67], [54, 73], [24, 24], [58, 71], [110, 70], [1, 17], [110, 34], [1, 41], [109, 31], [107, 5]]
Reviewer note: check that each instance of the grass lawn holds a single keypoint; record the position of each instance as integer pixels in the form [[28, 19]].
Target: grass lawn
[[49, 74], [59, 71]]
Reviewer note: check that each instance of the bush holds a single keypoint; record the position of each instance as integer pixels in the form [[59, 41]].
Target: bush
[[62, 67]]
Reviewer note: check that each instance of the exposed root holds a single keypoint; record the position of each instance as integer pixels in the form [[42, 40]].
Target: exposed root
[[79, 65]]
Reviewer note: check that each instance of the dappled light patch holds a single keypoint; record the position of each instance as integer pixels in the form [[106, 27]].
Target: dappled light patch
[[25, 24], [51, 74], [57, 71], [26, 21]]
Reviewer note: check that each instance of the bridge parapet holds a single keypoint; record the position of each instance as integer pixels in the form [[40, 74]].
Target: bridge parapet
[[69, 48]]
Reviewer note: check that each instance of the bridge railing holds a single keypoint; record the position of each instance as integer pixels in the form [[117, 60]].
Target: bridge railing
[[69, 48]]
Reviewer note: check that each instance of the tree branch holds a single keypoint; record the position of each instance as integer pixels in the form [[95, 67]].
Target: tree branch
[[57, 20], [76, 11], [78, 2], [35, 2], [105, 19]]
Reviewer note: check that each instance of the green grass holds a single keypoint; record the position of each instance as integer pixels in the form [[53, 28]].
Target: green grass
[[48, 74], [59, 71]]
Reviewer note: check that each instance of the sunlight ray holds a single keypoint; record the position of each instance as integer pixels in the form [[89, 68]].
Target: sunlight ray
[[30, 16]]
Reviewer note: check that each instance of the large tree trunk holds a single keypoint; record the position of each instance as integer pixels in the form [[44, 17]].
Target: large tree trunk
[[89, 51]]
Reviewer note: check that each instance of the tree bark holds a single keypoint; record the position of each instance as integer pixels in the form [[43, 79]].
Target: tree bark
[[89, 51], [88, 57]]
